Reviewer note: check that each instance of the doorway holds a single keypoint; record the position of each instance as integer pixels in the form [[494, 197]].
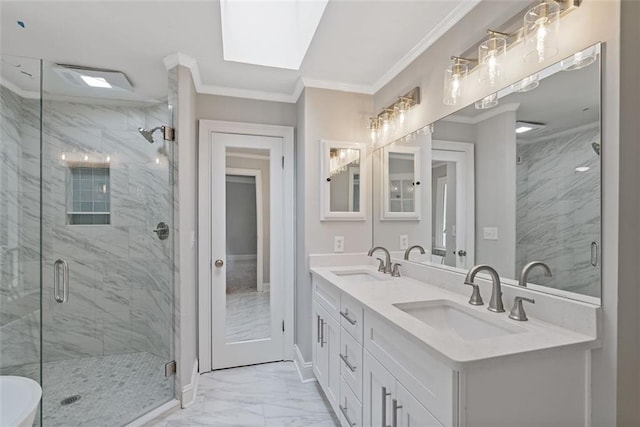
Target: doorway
[[246, 244]]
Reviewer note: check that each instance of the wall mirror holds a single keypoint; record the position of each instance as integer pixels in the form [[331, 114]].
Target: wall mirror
[[516, 182], [400, 182], [343, 192]]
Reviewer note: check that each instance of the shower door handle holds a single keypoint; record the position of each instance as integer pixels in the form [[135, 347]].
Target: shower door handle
[[61, 266]]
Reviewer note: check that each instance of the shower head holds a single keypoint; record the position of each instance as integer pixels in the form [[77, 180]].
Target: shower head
[[596, 148], [167, 133]]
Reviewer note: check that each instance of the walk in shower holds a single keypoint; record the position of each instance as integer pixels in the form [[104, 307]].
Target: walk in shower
[[86, 284]]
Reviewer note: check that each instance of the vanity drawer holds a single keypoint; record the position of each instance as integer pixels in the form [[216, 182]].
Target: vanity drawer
[[327, 295], [433, 383], [351, 362], [350, 407], [351, 316]]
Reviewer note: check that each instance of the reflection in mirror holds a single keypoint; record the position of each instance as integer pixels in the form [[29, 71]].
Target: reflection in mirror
[[342, 186], [344, 171], [401, 182], [537, 181], [248, 243]]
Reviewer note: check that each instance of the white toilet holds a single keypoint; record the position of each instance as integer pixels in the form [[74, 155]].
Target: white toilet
[[19, 399]]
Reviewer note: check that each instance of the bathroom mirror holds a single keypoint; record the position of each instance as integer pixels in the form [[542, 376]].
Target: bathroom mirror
[[517, 182], [401, 180], [342, 190]]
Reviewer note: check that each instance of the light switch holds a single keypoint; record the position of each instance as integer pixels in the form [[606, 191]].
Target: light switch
[[404, 241], [490, 233], [338, 244]]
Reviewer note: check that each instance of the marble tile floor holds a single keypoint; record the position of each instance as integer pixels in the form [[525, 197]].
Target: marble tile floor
[[248, 316], [114, 389], [270, 394]]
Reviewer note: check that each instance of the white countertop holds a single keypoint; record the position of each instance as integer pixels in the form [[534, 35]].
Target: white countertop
[[379, 297]]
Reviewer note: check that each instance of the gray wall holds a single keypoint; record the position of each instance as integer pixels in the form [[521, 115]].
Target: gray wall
[[602, 18], [215, 107]]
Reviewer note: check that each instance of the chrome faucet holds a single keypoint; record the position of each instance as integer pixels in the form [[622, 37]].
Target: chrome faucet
[[527, 269], [387, 257], [408, 251], [495, 304]]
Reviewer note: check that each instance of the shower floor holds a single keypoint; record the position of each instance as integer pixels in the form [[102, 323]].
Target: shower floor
[[114, 389]]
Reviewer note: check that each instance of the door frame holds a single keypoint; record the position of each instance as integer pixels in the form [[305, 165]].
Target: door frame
[[465, 179], [206, 128], [257, 175]]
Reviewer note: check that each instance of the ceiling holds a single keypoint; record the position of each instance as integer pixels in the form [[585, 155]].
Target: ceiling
[[564, 100], [358, 46]]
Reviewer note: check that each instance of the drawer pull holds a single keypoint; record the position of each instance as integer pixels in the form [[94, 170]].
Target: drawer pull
[[318, 327], [343, 409], [346, 362], [394, 416], [346, 316], [384, 406], [322, 341]]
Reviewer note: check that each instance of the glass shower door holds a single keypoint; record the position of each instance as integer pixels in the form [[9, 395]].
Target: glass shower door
[[107, 264]]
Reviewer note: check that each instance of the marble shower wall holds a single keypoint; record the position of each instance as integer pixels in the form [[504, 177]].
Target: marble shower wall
[[19, 231], [120, 274], [558, 210]]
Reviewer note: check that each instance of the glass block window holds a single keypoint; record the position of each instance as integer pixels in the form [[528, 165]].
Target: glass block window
[[89, 201]]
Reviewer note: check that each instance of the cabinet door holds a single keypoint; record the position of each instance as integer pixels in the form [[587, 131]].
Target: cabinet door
[[332, 347], [408, 412], [378, 391], [320, 354]]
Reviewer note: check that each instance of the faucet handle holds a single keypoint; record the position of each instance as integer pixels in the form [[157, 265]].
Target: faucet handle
[[380, 264], [396, 270], [517, 312], [476, 298]]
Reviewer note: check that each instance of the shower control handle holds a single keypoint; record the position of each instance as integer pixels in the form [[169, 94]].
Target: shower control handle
[[61, 266], [162, 230], [218, 263]]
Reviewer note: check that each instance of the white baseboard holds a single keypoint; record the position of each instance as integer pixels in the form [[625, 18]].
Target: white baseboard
[[190, 390], [305, 369], [159, 411]]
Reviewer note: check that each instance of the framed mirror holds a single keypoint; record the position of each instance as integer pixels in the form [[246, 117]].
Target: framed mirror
[[532, 182], [342, 189], [401, 182]]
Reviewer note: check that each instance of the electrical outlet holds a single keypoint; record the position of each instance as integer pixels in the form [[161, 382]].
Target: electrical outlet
[[404, 241], [490, 233], [338, 244]]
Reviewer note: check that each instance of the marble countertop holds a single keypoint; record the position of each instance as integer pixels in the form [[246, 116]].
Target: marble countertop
[[380, 297]]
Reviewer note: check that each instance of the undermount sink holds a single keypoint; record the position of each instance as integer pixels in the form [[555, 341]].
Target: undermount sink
[[447, 316], [357, 275]]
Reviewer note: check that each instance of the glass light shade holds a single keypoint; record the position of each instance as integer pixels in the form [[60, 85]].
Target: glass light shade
[[454, 81], [541, 31], [374, 127], [401, 110], [580, 59], [528, 83], [491, 55], [487, 102]]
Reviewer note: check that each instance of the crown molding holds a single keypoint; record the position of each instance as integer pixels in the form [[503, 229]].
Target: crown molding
[[496, 111], [459, 12]]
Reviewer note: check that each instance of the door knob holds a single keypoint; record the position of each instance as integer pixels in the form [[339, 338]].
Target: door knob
[[462, 253], [219, 263]]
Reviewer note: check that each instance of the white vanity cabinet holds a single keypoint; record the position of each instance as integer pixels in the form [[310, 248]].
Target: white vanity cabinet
[[326, 356]]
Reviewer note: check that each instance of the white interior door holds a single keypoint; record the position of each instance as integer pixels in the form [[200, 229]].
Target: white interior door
[[247, 247], [454, 225]]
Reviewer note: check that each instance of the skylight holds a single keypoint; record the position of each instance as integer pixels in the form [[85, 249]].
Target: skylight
[[270, 33]]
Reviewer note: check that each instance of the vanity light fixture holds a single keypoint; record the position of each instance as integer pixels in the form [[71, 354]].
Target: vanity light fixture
[[491, 55], [581, 59], [528, 83], [541, 31], [487, 102], [454, 80], [393, 116]]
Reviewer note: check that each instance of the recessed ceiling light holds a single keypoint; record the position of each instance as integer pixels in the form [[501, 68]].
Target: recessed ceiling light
[[582, 168], [96, 81], [523, 127]]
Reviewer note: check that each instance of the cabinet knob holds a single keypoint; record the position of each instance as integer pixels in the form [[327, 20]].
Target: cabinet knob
[[219, 263], [328, 179]]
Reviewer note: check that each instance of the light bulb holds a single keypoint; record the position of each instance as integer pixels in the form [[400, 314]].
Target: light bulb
[[63, 157], [108, 159], [541, 35], [454, 78]]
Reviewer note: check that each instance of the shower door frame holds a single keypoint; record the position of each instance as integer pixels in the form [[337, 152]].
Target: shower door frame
[[206, 129]]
